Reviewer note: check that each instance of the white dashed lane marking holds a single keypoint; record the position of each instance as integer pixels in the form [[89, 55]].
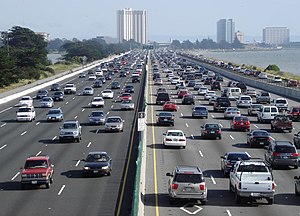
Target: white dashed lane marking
[[61, 190], [54, 138], [38, 123], [213, 180], [212, 116], [231, 137], [228, 212], [77, 163], [22, 134], [255, 125], [89, 144], [200, 152], [3, 125], [3, 147], [38, 153], [15, 176], [186, 124]]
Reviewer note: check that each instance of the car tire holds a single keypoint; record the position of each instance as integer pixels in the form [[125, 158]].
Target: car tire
[[296, 167], [51, 180], [203, 202], [230, 187], [108, 174], [270, 201], [238, 198], [47, 185], [296, 191]]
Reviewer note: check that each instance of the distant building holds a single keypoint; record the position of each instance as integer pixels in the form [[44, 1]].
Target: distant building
[[45, 35], [276, 35], [240, 36], [225, 30], [132, 24]]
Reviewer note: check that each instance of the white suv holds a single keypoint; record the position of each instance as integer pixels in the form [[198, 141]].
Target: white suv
[[244, 101], [281, 103], [26, 113]]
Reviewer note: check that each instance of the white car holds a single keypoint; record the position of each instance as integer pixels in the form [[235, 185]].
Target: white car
[[244, 101], [107, 93], [88, 91], [251, 92], [92, 77], [262, 76], [26, 101], [277, 79], [25, 113], [180, 84], [175, 80], [46, 102], [280, 103], [174, 138], [97, 102], [209, 94], [202, 90], [231, 112]]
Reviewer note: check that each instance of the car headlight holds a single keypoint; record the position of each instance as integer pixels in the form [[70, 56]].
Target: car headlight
[[86, 168], [62, 133], [105, 167], [24, 176], [75, 132], [44, 174]]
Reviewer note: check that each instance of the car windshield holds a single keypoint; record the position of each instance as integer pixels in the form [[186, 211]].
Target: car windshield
[[189, 178], [110, 120], [260, 133], [107, 91], [127, 101], [25, 98], [98, 99], [165, 114], [54, 112], [285, 149], [97, 158], [211, 126], [46, 99], [265, 94], [200, 108], [97, 114], [256, 106], [296, 109], [175, 133], [36, 164], [88, 88], [42, 92], [58, 93], [252, 168], [241, 118], [281, 101], [237, 157], [69, 126], [245, 98], [25, 109]]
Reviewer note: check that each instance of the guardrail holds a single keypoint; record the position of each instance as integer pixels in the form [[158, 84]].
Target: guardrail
[[266, 85]]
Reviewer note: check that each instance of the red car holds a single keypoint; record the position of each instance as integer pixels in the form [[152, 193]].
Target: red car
[[240, 123], [182, 93], [170, 106], [294, 111], [126, 96]]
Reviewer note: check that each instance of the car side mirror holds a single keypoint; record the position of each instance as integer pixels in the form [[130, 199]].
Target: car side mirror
[[223, 157], [164, 133], [52, 165], [296, 177], [82, 159], [248, 134], [295, 134], [201, 126], [169, 174]]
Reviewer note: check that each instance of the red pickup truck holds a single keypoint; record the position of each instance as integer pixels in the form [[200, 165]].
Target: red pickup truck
[[281, 123]]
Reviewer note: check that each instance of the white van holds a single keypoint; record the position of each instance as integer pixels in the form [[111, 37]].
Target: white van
[[267, 113], [233, 93]]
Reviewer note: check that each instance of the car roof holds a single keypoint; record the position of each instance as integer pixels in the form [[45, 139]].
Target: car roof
[[40, 157], [114, 117], [71, 121], [188, 169], [283, 142], [174, 131], [97, 152]]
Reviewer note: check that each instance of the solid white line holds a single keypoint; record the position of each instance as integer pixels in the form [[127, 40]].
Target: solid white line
[[38, 123], [38, 153], [3, 125], [89, 144], [89, 104], [213, 180], [75, 117], [77, 163], [231, 137], [82, 110], [212, 116], [3, 146], [61, 190], [23, 133], [255, 125], [54, 138], [200, 152], [15, 176], [192, 136], [5, 109], [186, 124], [228, 212]]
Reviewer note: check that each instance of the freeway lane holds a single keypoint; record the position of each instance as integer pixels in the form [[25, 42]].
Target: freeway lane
[[70, 194], [206, 154]]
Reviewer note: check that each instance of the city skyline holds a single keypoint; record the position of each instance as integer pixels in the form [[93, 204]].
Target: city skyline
[[192, 20]]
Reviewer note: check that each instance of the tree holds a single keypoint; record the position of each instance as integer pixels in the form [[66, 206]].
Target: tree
[[272, 67]]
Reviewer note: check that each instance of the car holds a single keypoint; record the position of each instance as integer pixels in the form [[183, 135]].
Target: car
[[282, 122], [282, 153], [102, 79], [58, 96], [114, 123], [181, 88], [26, 101], [158, 81], [162, 97], [276, 79], [187, 182], [229, 159], [97, 102], [165, 118], [293, 83], [46, 102], [55, 87], [160, 89], [251, 92], [70, 131], [97, 84], [216, 85], [175, 80], [125, 96], [129, 89], [212, 100], [92, 77], [108, 76], [41, 93], [135, 78], [70, 88], [297, 185], [82, 75], [267, 113], [211, 130], [55, 114], [244, 101], [262, 76], [253, 109], [97, 117], [26, 113], [240, 123], [115, 85], [182, 93], [209, 94], [170, 106], [88, 90], [188, 99], [263, 97], [258, 138], [38, 170], [175, 138], [191, 83], [179, 84], [242, 86], [296, 139], [198, 85], [222, 103], [294, 111], [107, 93], [202, 90], [230, 112], [127, 105], [97, 163], [200, 112], [281, 103]]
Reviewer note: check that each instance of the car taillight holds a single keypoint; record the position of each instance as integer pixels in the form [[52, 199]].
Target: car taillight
[[202, 186], [235, 123], [247, 123], [238, 112], [273, 186], [295, 154], [219, 131], [168, 139], [174, 186], [276, 154], [228, 112], [269, 138], [228, 164]]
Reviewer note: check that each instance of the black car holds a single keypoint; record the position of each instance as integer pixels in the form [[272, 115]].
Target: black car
[[165, 118], [102, 79], [219, 78], [191, 83], [258, 138], [156, 75], [135, 79], [221, 103], [188, 99], [230, 158], [115, 85], [108, 77], [129, 89], [216, 85], [162, 97], [55, 87], [211, 130], [297, 140], [97, 163], [41, 93], [200, 111], [242, 86], [123, 74], [58, 96], [97, 84]]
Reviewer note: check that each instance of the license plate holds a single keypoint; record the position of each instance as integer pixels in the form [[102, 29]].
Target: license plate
[[242, 123], [33, 182], [284, 157], [212, 132], [95, 171], [261, 143], [255, 194], [175, 139], [188, 189], [165, 119]]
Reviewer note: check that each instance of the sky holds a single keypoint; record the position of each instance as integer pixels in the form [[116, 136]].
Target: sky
[[166, 19]]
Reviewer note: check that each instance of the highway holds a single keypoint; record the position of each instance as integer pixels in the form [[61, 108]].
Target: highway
[[70, 193], [206, 154]]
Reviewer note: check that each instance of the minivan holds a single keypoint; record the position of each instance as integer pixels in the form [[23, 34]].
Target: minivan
[[267, 113], [162, 97], [233, 93]]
